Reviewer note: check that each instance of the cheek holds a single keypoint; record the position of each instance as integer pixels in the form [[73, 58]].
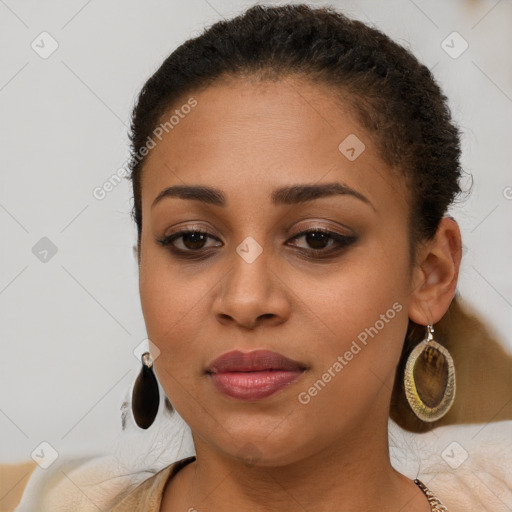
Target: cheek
[[355, 368], [172, 310], [362, 314], [169, 297]]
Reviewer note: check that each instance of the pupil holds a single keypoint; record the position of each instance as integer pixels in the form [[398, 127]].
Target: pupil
[[196, 240], [317, 239]]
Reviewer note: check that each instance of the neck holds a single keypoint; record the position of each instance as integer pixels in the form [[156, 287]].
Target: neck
[[352, 474]]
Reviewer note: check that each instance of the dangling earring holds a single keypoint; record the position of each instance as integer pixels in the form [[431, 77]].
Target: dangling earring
[[429, 379], [145, 394]]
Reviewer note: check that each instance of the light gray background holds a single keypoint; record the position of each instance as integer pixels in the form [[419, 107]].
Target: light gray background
[[69, 325]]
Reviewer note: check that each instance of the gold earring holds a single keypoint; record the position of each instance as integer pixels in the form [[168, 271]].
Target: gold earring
[[429, 379]]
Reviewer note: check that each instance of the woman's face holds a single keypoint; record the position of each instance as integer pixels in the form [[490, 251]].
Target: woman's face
[[255, 282]]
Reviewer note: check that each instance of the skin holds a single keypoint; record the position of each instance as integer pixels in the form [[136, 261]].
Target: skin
[[246, 139]]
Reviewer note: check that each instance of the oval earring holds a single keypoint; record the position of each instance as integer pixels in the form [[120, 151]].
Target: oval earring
[[145, 394], [429, 379]]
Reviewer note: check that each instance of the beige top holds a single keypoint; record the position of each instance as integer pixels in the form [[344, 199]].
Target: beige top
[[147, 497]]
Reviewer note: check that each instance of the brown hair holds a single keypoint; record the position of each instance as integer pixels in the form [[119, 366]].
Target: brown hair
[[395, 97]]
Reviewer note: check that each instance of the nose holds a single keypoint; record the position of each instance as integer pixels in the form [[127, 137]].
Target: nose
[[251, 294]]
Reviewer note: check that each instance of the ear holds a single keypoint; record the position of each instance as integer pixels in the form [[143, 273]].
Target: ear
[[435, 274]]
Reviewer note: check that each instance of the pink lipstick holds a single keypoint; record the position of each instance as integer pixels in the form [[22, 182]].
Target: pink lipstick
[[253, 375]]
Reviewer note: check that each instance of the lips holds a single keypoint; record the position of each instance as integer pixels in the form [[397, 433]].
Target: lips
[[257, 360], [252, 376]]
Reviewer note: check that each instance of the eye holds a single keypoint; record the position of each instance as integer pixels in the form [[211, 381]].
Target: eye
[[192, 240], [323, 241]]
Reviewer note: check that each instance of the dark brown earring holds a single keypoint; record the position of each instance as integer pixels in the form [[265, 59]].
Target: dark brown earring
[[145, 394]]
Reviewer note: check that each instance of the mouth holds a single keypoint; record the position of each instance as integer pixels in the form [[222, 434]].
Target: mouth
[[253, 375]]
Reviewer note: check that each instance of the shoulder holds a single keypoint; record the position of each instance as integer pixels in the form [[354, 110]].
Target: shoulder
[[88, 484], [13, 480], [148, 495], [76, 483], [469, 467], [91, 481]]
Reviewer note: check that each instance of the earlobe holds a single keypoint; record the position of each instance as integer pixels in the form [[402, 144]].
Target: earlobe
[[436, 274]]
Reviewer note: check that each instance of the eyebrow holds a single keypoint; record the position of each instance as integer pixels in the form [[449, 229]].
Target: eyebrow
[[292, 194]]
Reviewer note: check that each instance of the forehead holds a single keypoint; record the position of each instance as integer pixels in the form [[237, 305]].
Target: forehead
[[247, 136]]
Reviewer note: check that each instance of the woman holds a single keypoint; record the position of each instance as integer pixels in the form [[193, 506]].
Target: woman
[[292, 170]]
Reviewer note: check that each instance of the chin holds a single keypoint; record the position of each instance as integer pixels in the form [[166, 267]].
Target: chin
[[263, 444]]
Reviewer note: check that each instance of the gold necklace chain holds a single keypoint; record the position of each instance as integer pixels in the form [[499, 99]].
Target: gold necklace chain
[[436, 504]]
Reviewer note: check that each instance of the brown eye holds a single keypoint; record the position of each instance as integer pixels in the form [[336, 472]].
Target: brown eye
[[191, 240], [194, 240], [317, 239], [320, 239], [320, 242]]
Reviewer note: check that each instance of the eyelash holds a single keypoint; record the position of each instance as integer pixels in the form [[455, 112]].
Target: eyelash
[[342, 241]]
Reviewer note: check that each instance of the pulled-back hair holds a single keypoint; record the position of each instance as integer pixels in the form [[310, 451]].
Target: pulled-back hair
[[395, 98]]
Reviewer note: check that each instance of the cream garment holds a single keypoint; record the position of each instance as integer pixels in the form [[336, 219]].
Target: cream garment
[[147, 497], [469, 467]]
